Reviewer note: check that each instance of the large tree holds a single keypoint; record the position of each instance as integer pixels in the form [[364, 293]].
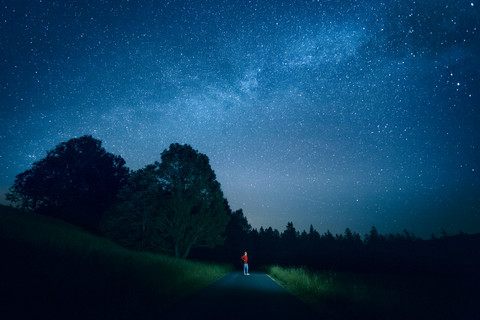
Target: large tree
[[133, 220], [172, 205], [194, 210], [76, 182]]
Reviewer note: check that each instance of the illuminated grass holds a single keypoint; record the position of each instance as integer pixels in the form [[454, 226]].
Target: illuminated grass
[[379, 296], [58, 269]]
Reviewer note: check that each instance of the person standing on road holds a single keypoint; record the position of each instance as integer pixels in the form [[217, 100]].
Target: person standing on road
[[245, 264]]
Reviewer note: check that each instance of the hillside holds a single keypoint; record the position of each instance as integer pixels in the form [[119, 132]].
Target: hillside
[[52, 268]]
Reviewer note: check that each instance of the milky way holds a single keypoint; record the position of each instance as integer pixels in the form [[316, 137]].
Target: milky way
[[331, 113]]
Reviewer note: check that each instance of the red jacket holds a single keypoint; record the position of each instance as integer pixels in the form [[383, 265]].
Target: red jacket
[[245, 259]]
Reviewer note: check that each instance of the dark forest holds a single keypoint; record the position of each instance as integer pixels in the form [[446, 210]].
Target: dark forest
[[176, 206]]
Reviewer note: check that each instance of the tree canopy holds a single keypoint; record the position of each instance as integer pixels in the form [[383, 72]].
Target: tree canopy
[[172, 205], [76, 182], [132, 221]]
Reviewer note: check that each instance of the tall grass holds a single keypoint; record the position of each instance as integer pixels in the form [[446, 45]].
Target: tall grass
[[380, 296], [53, 268]]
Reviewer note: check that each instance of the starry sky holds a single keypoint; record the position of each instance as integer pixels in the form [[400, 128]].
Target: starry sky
[[328, 113]]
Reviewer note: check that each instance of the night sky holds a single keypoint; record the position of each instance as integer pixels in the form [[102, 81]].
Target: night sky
[[328, 113]]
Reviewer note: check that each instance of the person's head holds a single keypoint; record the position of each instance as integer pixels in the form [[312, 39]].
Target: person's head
[[245, 252]]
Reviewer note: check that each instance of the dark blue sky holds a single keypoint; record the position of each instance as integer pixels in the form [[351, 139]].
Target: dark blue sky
[[331, 113]]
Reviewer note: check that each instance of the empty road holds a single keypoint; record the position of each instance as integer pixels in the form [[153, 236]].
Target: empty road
[[236, 296]]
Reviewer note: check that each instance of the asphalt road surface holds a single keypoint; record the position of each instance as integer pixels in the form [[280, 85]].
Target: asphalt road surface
[[236, 296]]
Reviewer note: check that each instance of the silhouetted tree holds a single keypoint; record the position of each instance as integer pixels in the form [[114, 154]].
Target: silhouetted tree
[[313, 235], [268, 246], [308, 247], [237, 234], [76, 182], [373, 237], [253, 248], [290, 235], [194, 212], [289, 240], [328, 237], [348, 234], [133, 221], [171, 206], [352, 239]]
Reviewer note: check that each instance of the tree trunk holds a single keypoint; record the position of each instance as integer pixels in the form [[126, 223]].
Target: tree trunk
[[186, 252], [177, 253]]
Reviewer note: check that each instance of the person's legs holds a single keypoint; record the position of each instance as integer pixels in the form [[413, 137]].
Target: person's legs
[[245, 269]]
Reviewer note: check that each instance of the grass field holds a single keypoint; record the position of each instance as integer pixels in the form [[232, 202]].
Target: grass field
[[51, 268], [381, 296]]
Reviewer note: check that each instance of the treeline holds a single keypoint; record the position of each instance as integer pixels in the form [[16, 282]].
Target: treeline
[[171, 205], [176, 204], [373, 252]]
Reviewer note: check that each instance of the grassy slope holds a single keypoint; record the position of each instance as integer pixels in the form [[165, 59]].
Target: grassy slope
[[52, 268], [371, 296]]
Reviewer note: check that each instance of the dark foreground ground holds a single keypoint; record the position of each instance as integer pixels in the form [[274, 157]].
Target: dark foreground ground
[[236, 296]]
